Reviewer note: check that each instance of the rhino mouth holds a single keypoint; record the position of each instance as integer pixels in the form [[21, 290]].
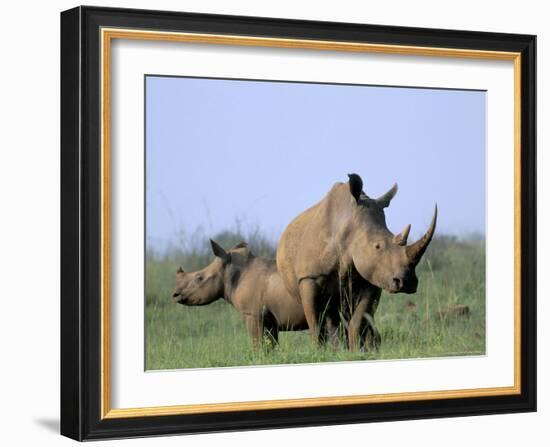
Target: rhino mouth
[[399, 285], [179, 299]]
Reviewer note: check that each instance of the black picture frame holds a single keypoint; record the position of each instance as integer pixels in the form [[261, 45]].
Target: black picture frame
[[81, 223]]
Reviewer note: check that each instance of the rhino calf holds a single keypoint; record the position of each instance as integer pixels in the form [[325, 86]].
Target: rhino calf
[[250, 284]]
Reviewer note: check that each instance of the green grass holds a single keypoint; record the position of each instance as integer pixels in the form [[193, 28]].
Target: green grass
[[451, 272]]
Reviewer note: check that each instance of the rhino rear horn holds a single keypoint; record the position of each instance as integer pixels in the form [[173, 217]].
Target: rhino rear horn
[[385, 199], [401, 238], [416, 250], [355, 186]]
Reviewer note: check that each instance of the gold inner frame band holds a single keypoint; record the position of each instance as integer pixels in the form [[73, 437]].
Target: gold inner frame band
[[107, 35]]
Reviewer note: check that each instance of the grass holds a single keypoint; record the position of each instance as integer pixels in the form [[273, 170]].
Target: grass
[[452, 272]]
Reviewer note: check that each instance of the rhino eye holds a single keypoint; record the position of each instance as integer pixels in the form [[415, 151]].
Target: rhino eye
[[377, 245], [198, 278]]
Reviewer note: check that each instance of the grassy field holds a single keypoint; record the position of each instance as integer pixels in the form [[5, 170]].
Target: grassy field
[[451, 273]]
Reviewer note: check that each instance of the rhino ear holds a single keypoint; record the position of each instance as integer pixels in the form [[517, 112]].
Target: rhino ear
[[180, 270], [219, 251], [355, 186], [385, 199]]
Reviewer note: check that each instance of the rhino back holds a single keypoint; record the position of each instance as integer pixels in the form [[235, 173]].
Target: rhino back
[[310, 244]]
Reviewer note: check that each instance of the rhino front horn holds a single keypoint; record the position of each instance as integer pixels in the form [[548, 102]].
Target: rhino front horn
[[416, 250]]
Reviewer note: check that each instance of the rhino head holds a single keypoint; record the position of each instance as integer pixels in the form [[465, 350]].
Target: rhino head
[[379, 256], [202, 286]]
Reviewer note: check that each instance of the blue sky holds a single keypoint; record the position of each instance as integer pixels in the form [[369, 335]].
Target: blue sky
[[262, 152]]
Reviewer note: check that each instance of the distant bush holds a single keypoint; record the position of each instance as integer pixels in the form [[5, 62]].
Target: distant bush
[[443, 247], [194, 252]]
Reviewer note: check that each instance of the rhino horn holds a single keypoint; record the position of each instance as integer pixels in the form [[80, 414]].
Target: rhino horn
[[416, 250], [385, 199], [401, 238]]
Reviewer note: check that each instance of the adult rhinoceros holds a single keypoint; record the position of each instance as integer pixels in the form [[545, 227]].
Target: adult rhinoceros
[[337, 256]]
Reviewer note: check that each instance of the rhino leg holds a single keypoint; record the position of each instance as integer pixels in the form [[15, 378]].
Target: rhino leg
[[271, 336], [270, 328], [362, 332], [309, 293], [329, 331], [255, 327], [372, 340], [356, 326]]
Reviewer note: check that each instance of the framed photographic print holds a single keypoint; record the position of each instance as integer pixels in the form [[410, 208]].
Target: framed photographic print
[[277, 223]]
